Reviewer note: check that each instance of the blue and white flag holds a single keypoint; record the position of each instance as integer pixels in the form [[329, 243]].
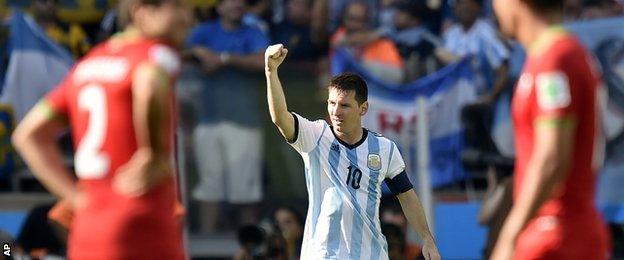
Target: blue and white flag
[[605, 38], [392, 112], [36, 65]]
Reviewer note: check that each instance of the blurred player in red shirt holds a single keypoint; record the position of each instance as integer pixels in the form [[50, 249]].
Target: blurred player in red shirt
[[118, 102], [556, 115]]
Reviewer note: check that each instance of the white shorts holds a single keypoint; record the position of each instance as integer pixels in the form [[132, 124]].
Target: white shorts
[[229, 163]]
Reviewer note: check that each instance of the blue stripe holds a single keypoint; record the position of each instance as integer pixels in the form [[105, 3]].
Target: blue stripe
[[371, 204], [314, 174], [333, 240], [391, 154], [357, 223]]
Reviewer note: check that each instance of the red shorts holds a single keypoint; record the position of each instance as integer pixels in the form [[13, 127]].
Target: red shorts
[[553, 238]]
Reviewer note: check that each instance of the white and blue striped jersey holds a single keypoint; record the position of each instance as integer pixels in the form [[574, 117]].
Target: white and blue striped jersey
[[344, 191]]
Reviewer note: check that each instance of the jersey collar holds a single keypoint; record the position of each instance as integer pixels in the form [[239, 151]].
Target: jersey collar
[[546, 39], [351, 146]]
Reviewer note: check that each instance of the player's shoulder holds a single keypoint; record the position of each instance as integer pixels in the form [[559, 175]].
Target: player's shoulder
[[165, 57], [380, 137], [567, 48]]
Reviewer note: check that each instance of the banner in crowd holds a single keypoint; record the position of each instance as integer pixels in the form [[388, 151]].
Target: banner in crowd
[[36, 65], [605, 38], [393, 111], [69, 11]]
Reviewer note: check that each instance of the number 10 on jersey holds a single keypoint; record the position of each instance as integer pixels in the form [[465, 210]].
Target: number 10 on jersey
[[354, 177]]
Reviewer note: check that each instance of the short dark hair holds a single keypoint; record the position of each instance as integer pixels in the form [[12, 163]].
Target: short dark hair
[[545, 5], [350, 82]]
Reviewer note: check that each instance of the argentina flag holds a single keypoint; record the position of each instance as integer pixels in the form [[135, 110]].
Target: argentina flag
[[393, 111], [36, 65]]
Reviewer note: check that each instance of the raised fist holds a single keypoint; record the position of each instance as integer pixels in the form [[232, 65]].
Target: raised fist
[[274, 56]]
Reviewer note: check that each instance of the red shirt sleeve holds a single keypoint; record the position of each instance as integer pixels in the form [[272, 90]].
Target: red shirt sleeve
[[57, 98], [556, 92]]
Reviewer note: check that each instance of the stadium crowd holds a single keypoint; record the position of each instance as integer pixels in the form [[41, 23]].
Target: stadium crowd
[[238, 174]]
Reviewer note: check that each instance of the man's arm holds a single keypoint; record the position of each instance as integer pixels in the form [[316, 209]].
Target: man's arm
[[500, 82], [546, 169], [35, 141], [413, 210], [250, 62], [150, 163], [278, 109]]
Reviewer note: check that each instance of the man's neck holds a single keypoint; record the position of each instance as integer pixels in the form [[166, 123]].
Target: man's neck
[[534, 32], [230, 25], [352, 137], [468, 25]]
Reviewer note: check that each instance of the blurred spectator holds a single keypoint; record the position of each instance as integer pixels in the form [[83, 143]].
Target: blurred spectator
[[4, 44], [572, 10], [295, 32], [387, 14], [415, 42], [337, 10], [109, 24], [473, 35], [70, 36], [378, 55], [251, 240], [396, 241], [290, 224], [228, 139], [257, 14], [594, 9], [37, 238]]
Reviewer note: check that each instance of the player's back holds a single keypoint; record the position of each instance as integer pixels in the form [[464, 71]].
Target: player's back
[[98, 101]]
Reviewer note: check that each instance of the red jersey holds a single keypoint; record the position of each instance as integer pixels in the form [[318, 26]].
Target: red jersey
[[559, 82], [96, 97]]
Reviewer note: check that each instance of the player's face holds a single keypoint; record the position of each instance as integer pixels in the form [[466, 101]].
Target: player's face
[[344, 111], [169, 21]]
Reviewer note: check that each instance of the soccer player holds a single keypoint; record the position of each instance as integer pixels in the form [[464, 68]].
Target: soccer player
[[560, 148], [345, 165], [118, 104]]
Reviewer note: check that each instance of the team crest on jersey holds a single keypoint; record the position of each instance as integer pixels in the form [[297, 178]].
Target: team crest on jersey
[[374, 162]]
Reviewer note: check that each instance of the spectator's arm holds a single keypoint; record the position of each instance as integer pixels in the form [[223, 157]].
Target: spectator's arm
[[250, 62], [445, 56], [320, 19], [500, 82]]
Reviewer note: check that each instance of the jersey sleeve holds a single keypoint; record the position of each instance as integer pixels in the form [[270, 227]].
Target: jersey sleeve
[[396, 164], [307, 133], [165, 57], [56, 100], [555, 95]]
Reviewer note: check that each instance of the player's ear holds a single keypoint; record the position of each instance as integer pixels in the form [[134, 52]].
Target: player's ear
[[363, 108]]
